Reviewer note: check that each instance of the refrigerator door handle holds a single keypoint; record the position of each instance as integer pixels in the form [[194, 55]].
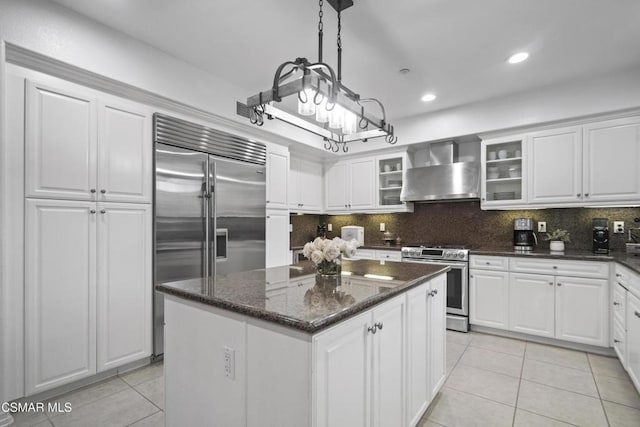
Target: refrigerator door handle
[[211, 222]]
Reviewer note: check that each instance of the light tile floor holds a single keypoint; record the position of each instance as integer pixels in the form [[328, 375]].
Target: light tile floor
[[492, 381], [495, 381], [135, 398]]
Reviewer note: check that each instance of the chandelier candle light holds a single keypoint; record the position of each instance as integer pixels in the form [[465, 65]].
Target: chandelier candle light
[[325, 106]]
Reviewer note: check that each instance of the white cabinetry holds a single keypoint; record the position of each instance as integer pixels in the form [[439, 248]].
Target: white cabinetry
[[489, 298], [277, 238], [60, 293], [503, 179], [561, 299], [305, 186], [611, 152], [349, 185], [390, 171], [277, 179], [360, 362], [88, 233], [124, 274], [633, 338], [532, 299], [426, 354], [589, 164], [83, 292], [555, 166], [83, 149]]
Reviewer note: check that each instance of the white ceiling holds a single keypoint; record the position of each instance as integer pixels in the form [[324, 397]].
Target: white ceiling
[[454, 48]]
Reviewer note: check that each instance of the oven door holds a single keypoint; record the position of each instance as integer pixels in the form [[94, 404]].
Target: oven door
[[457, 285]]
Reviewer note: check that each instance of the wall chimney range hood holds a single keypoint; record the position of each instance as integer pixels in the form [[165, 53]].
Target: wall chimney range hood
[[445, 179]]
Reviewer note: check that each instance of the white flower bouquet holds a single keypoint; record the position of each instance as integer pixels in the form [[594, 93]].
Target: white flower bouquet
[[327, 254]]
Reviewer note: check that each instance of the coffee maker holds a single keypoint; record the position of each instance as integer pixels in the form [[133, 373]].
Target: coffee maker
[[600, 235], [523, 236]]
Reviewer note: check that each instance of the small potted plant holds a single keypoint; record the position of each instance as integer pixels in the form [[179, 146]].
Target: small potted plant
[[557, 238]]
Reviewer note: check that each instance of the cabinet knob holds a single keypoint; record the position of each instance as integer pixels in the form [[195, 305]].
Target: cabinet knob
[[616, 303], [618, 275], [471, 276], [616, 341], [434, 292], [483, 199], [637, 313], [586, 194], [93, 190], [578, 195], [555, 267], [373, 328], [488, 263], [550, 283], [92, 211], [103, 191], [379, 325], [268, 201], [103, 211], [559, 284]]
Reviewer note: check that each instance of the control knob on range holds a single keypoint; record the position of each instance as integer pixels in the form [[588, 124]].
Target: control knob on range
[[461, 254]]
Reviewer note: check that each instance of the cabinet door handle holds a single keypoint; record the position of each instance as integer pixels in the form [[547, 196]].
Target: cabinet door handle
[[93, 190], [92, 211], [103, 211], [618, 275], [616, 303], [586, 194], [103, 191], [559, 284], [373, 328], [637, 313], [434, 292], [379, 325], [578, 195], [616, 341]]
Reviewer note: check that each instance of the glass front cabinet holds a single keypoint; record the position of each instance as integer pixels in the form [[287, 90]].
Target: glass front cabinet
[[390, 176], [503, 172]]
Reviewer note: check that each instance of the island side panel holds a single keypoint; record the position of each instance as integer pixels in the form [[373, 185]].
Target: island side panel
[[278, 376], [197, 391]]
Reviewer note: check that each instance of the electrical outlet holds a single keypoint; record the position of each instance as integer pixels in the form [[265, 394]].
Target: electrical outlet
[[382, 227], [542, 227], [229, 363], [329, 227], [618, 227]]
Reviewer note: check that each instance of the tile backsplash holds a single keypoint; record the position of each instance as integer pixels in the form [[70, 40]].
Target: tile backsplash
[[464, 222]]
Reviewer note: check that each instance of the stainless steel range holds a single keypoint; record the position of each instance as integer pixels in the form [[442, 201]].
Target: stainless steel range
[[456, 257]]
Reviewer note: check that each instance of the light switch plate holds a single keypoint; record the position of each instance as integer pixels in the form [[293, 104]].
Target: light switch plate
[[382, 227], [329, 227]]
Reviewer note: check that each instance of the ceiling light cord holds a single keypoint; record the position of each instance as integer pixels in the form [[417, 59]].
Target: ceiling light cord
[[320, 32]]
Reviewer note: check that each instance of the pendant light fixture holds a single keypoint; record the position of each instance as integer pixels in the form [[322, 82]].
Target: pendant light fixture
[[311, 96]]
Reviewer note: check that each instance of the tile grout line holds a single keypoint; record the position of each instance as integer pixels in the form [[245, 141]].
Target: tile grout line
[[144, 418], [606, 417], [515, 411]]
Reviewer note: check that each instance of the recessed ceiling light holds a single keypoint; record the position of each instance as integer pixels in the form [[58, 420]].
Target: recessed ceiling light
[[518, 57], [428, 97]]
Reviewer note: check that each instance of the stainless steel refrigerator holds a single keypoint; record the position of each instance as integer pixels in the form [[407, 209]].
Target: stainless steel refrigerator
[[209, 209]]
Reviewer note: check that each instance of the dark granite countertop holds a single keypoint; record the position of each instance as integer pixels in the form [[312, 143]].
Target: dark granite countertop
[[289, 295], [629, 260]]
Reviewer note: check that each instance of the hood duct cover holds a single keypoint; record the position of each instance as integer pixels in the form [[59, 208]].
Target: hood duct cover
[[442, 182]]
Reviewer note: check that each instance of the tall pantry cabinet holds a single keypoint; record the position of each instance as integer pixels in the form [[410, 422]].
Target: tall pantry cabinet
[[88, 233]]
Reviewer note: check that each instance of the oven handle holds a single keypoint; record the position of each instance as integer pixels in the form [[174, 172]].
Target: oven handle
[[429, 261]]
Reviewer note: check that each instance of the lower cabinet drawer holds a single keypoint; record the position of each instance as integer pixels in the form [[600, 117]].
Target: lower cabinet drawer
[[485, 262], [589, 269], [388, 255]]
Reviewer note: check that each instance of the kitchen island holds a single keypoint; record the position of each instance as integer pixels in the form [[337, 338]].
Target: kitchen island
[[278, 347]]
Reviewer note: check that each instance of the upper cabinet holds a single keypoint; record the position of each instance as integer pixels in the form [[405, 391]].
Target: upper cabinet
[[349, 185], [80, 148], [555, 166], [277, 177], [611, 155], [367, 184], [390, 173], [503, 171], [305, 186], [594, 164]]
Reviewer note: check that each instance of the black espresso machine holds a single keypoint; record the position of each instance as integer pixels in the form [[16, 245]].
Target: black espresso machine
[[524, 238]]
